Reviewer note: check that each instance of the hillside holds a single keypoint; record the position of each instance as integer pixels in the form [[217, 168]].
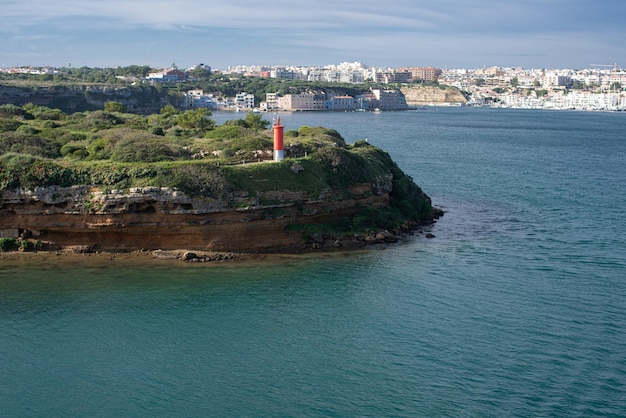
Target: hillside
[[109, 180], [73, 97]]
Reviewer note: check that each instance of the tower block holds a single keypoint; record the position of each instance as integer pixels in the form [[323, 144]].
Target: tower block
[[279, 145]]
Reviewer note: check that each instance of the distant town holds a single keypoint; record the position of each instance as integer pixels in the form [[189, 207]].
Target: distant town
[[599, 87]]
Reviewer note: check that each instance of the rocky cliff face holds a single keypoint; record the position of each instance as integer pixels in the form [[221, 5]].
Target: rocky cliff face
[[163, 218], [426, 95], [72, 98]]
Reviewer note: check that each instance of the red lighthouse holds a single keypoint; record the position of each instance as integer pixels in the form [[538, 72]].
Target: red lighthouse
[[279, 147]]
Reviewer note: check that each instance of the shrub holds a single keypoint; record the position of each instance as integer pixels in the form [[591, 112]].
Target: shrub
[[74, 150], [144, 148], [98, 150], [256, 121], [114, 107], [43, 112], [381, 217], [97, 120], [7, 244], [28, 173], [236, 122], [345, 168], [27, 129], [11, 110], [50, 114], [25, 143], [8, 125], [50, 124], [73, 136], [361, 143], [157, 130], [200, 180], [323, 134], [8, 180], [45, 173], [226, 131], [196, 119]]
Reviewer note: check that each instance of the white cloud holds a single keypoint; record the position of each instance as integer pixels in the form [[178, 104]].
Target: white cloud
[[235, 14], [441, 32]]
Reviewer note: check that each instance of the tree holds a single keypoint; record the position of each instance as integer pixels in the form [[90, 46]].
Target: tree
[[616, 86], [196, 119], [169, 110], [200, 73], [256, 121], [114, 107], [514, 82], [133, 70]]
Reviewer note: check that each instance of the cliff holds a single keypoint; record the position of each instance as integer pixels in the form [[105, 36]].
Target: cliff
[[163, 218], [427, 95], [81, 97], [166, 218]]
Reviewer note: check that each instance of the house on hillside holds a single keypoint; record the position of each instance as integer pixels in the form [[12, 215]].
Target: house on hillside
[[167, 76]]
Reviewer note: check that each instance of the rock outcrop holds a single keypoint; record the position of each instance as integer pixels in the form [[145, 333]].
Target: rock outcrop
[[81, 97], [427, 95], [164, 218]]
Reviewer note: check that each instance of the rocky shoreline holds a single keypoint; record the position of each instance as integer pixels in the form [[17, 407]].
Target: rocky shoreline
[[316, 243]]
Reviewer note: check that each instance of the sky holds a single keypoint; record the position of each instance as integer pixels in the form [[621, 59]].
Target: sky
[[392, 33]]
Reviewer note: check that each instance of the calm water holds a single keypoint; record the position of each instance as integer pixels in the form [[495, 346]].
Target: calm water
[[516, 308]]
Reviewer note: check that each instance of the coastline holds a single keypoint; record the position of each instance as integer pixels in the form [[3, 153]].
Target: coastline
[[138, 259], [316, 247]]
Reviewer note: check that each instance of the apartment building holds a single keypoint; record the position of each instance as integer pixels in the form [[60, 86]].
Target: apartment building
[[197, 98], [244, 100], [302, 101], [341, 103], [425, 73]]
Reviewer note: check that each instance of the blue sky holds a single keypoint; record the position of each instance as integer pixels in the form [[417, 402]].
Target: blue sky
[[395, 33]]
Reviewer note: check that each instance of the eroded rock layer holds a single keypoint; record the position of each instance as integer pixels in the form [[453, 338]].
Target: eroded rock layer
[[163, 218]]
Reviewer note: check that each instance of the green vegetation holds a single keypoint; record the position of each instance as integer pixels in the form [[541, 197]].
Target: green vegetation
[[41, 147], [10, 244]]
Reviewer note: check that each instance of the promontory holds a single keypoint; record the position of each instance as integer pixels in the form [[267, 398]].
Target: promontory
[[113, 181]]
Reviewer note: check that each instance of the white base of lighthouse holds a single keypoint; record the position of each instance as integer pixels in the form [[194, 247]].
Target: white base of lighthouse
[[279, 154]]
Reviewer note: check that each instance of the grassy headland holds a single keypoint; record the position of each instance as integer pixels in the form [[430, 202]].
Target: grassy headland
[[111, 150]]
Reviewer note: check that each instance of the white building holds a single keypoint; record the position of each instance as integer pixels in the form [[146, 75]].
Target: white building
[[244, 100], [171, 75], [197, 98]]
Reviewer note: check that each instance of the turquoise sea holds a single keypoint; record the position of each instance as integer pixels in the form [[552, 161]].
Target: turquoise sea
[[516, 308]]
